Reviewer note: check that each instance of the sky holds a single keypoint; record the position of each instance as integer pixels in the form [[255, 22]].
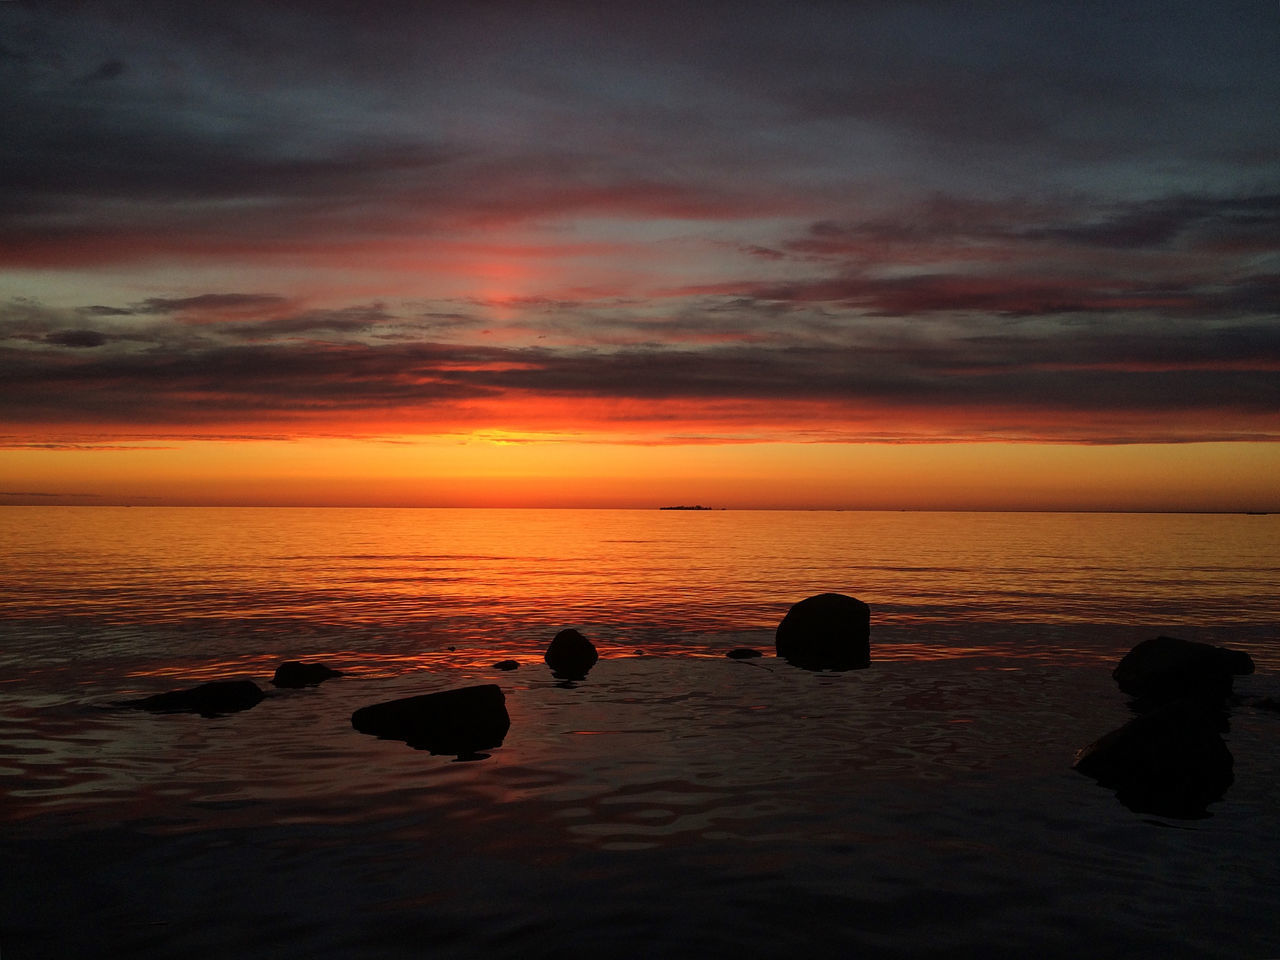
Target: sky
[[862, 255]]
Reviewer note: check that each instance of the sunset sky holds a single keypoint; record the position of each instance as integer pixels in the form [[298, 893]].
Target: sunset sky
[[859, 255]]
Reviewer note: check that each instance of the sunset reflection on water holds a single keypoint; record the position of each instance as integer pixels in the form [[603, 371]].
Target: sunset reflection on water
[[506, 572], [670, 775]]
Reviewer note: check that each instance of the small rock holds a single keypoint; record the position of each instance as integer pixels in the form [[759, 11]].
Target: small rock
[[208, 700], [460, 722], [294, 675], [571, 655], [1170, 762], [828, 632], [1165, 669], [506, 665], [743, 653]]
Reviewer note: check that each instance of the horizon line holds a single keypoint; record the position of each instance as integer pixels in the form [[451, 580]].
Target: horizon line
[[654, 509]]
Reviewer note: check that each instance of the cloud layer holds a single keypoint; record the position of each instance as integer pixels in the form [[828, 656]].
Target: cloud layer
[[696, 222]]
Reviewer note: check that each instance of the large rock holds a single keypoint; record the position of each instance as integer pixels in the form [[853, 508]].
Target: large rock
[[209, 699], [294, 675], [1171, 762], [460, 722], [1165, 669], [570, 655], [828, 632]]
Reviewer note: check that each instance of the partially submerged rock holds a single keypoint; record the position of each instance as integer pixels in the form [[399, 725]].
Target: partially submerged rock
[[460, 722], [208, 700], [506, 665], [743, 653], [1170, 762], [830, 631], [293, 674], [1164, 669], [570, 655]]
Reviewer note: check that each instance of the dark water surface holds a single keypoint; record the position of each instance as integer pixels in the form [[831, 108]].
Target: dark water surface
[[672, 804]]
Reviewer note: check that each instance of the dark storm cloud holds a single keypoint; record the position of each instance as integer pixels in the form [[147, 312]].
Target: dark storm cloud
[[1232, 222], [262, 122], [198, 322], [1073, 373], [23, 319], [180, 142], [106, 71], [66, 191], [202, 140], [220, 383], [349, 320], [1174, 256], [941, 222], [98, 310], [1017, 295], [76, 338], [212, 302]]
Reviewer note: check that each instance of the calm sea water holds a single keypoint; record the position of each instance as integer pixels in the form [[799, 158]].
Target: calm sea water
[[230, 584], [675, 803]]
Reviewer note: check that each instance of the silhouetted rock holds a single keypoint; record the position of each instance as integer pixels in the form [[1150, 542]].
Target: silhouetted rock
[[506, 665], [1170, 762], [208, 699], [1165, 669], [571, 655], [828, 632], [293, 674], [743, 653], [459, 722]]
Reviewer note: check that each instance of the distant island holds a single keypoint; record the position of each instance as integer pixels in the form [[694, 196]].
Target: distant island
[[698, 507]]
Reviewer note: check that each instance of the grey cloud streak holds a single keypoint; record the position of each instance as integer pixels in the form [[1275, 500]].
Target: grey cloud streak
[[953, 370]]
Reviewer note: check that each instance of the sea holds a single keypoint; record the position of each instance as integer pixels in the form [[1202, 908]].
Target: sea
[[673, 803]]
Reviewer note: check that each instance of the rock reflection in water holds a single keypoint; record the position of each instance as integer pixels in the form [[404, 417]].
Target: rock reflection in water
[[1170, 760]]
